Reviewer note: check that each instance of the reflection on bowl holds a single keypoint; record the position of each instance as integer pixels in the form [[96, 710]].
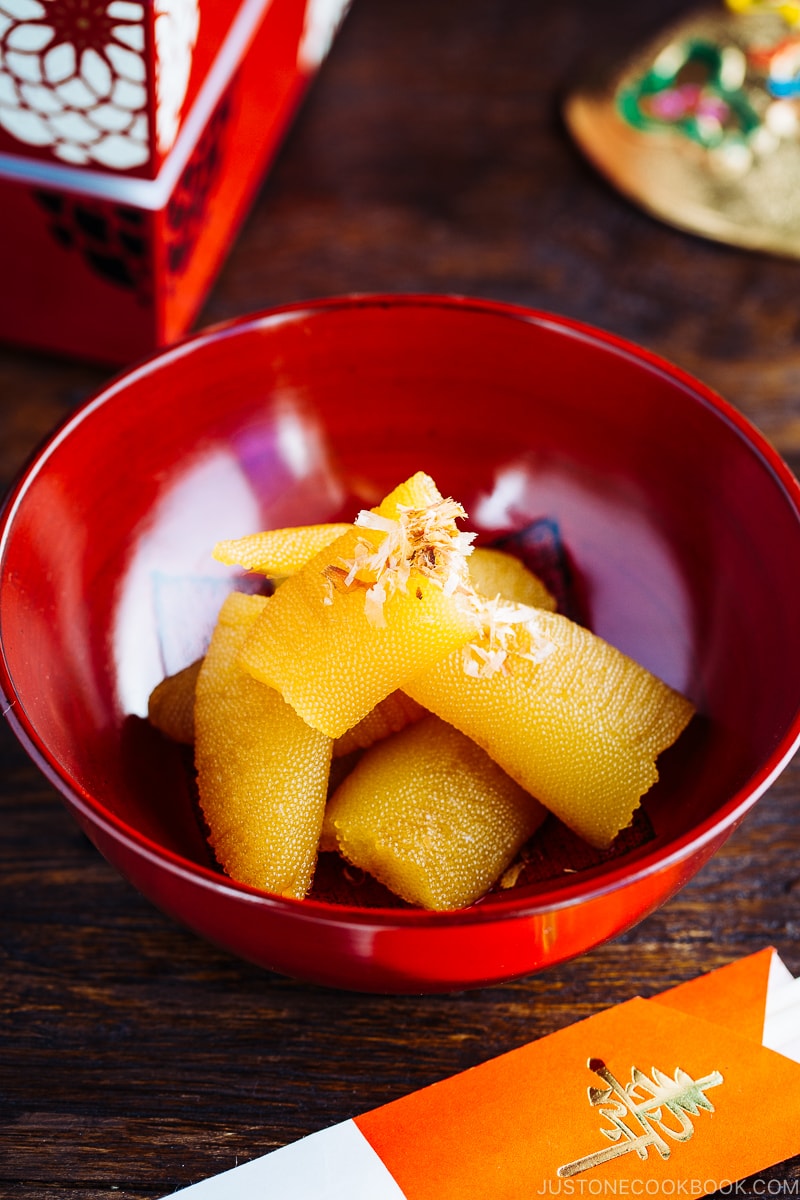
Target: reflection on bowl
[[683, 536]]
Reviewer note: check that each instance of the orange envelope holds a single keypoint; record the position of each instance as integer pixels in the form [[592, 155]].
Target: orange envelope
[[734, 996], [664, 1096], [677, 1095]]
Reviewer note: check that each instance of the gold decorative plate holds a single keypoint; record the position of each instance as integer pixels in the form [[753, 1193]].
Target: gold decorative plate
[[702, 126]]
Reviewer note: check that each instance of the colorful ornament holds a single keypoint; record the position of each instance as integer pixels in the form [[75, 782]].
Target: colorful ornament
[[695, 88], [702, 126]]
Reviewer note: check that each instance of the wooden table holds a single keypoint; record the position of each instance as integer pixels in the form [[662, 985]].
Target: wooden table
[[429, 156]]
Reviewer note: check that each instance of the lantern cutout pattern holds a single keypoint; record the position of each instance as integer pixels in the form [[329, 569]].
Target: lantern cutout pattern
[[112, 239], [73, 77]]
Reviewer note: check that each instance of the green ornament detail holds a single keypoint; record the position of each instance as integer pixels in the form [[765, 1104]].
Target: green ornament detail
[[687, 91]]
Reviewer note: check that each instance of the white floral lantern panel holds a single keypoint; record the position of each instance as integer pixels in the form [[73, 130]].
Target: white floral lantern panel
[[73, 77]]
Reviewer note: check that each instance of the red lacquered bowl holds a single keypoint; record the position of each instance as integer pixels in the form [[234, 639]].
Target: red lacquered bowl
[[681, 525]]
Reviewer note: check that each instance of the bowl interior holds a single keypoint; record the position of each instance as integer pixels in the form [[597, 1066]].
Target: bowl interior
[[682, 536]]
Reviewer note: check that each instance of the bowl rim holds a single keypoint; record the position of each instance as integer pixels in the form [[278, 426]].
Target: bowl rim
[[545, 898]]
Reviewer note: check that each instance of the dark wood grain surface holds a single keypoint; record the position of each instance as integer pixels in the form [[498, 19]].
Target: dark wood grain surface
[[429, 156]]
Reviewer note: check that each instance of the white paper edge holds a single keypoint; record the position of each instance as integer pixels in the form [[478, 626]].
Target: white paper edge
[[335, 1164], [782, 1011]]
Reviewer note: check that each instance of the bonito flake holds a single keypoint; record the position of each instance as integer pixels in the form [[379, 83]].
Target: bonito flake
[[386, 600]]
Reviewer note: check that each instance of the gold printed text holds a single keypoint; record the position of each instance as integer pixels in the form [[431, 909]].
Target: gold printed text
[[650, 1111]]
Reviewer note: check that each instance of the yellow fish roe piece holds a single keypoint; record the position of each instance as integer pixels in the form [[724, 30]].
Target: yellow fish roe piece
[[497, 573], [431, 816], [171, 710], [390, 716], [368, 612], [171, 704], [418, 491], [262, 773], [278, 552], [492, 572], [577, 723]]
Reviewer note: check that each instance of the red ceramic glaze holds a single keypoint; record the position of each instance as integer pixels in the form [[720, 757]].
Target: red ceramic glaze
[[682, 526]]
